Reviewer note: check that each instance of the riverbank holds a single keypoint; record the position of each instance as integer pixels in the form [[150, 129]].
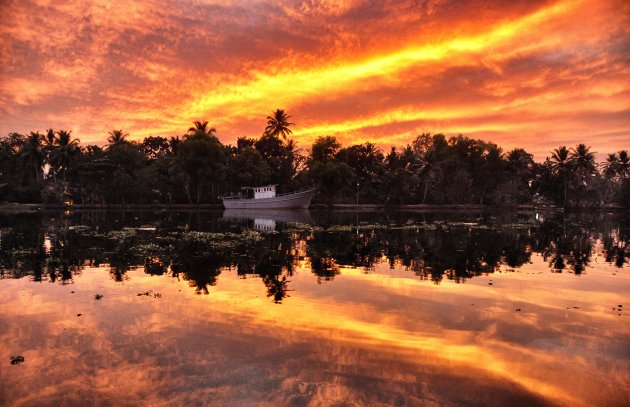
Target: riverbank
[[21, 207]]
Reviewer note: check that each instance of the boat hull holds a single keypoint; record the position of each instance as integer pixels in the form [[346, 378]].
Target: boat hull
[[298, 200]]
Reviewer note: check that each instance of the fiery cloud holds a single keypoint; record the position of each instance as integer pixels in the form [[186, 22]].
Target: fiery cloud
[[536, 74]]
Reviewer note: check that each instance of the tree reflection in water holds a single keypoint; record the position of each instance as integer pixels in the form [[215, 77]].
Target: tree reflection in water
[[50, 247]]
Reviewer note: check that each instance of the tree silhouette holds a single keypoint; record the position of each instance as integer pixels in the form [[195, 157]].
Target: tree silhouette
[[49, 140], [278, 124], [624, 164], [117, 138], [201, 158], [610, 171], [562, 164], [583, 162], [65, 152], [200, 129], [32, 153]]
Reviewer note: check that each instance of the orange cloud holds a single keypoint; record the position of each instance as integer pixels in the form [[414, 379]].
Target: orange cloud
[[360, 71]]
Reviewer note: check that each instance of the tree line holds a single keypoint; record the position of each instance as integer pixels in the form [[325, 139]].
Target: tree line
[[197, 168]]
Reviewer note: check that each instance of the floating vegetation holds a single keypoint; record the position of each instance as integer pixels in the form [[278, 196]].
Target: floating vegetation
[[150, 293], [301, 227], [148, 250], [146, 228], [22, 253], [427, 245], [517, 225], [123, 234], [251, 236], [413, 226], [80, 229]]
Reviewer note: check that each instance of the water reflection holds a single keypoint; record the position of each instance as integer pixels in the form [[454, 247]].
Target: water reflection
[[55, 248], [455, 309], [266, 220]]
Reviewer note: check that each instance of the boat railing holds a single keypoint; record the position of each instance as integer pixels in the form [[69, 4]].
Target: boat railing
[[296, 192]]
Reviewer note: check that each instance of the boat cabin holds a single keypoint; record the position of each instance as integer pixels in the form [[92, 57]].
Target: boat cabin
[[268, 191]]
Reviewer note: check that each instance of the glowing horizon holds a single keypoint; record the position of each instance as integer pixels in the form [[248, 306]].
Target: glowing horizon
[[535, 75]]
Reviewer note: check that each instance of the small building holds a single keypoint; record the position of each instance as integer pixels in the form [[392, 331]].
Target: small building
[[268, 191]]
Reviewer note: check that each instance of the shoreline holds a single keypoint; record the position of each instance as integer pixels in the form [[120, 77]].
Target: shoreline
[[23, 207]]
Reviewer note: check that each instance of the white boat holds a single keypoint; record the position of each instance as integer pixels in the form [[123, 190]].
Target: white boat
[[266, 198]]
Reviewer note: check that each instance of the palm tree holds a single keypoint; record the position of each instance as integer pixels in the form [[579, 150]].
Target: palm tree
[[624, 164], [519, 162], [33, 154], [173, 144], [611, 168], [561, 163], [117, 138], [65, 152], [200, 129], [278, 124], [584, 162], [490, 169], [49, 145], [430, 171], [518, 168], [49, 138]]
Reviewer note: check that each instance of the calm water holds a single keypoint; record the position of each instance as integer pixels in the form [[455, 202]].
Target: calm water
[[114, 308]]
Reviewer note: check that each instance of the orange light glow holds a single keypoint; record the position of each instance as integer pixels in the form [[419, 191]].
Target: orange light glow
[[530, 74]]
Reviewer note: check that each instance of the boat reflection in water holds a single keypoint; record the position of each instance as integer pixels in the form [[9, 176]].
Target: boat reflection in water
[[266, 220]]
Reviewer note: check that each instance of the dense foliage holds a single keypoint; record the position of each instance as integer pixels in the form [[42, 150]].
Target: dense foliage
[[197, 168]]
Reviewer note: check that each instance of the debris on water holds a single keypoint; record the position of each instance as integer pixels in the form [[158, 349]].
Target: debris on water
[[518, 310], [98, 296], [147, 229], [150, 293], [576, 307], [16, 360]]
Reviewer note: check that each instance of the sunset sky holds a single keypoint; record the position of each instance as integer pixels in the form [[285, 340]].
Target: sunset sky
[[526, 73]]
